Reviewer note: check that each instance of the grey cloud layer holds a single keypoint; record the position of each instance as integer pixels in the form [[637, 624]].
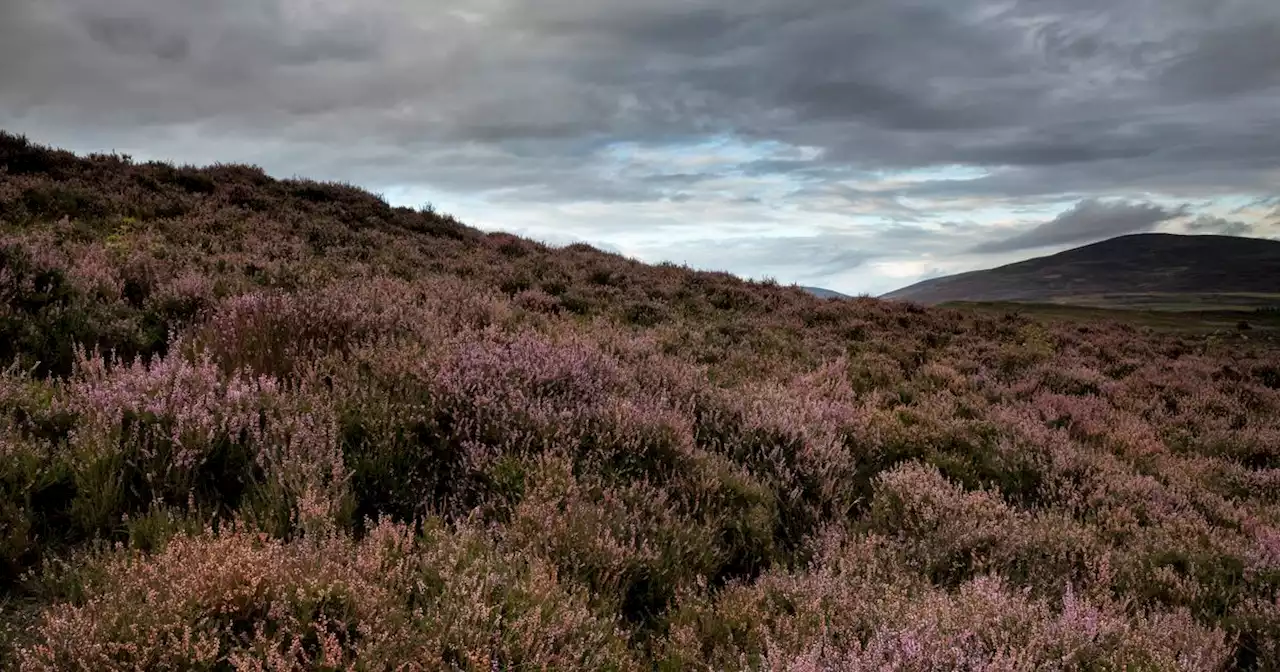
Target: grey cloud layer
[[1221, 226], [1088, 221], [1062, 100]]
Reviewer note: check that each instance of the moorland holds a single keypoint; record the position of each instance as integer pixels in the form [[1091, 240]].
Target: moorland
[[255, 423]]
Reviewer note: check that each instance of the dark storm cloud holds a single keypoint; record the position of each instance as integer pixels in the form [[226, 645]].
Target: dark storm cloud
[[1229, 60], [131, 35], [1088, 221], [1034, 83], [1060, 100], [1220, 226]]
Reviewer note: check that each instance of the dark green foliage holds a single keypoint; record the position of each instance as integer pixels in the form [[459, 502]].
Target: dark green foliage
[[731, 298], [745, 537], [36, 494], [195, 181], [515, 284], [576, 302], [644, 314], [604, 276], [1221, 577], [1268, 375], [972, 461], [57, 201], [20, 156], [123, 483], [318, 192], [405, 468], [47, 316], [770, 456], [511, 246]]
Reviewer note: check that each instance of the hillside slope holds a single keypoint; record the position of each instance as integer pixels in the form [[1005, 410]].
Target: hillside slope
[[1149, 263], [279, 424]]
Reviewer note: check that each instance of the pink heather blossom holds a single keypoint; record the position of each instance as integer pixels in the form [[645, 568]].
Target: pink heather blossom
[[593, 463], [194, 398]]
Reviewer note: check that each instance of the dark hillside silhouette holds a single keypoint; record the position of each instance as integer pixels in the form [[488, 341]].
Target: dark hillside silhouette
[[1148, 263]]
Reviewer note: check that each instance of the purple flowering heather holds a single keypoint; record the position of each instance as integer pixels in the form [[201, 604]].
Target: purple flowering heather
[[319, 432]]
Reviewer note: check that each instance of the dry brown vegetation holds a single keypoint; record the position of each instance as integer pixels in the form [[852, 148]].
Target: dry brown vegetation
[[264, 424]]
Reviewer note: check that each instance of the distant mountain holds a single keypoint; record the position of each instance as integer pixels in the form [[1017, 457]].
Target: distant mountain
[[825, 293], [1122, 271]]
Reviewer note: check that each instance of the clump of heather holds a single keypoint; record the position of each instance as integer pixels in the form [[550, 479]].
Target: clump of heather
[[394, 599], [259, 424], [857, 608]]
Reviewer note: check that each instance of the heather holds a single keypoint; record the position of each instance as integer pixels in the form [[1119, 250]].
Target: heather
[[249, 423]]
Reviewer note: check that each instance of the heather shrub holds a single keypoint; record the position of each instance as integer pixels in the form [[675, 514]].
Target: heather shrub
[[281, 424], [35, 478], [577, 302], [768, 453], [1074, 381], [404, 458], [738, 513], [873, 370], [276, 333], [38, 488], [536, 301], [1048, 550], [43, 315], [267, 333], [232, 596], [1161, 566], [20, 476], [58, 201], [1258, 622], [948, 534], [480, 402], [179, 433], [950, 434], [305, 480], [857, 612], [1267, 375], [744, 515], [164, 429], [644, 313], [625, 441], [20, 156], [629, 544]]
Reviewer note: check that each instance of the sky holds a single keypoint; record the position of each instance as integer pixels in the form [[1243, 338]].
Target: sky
[[856, 145]]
